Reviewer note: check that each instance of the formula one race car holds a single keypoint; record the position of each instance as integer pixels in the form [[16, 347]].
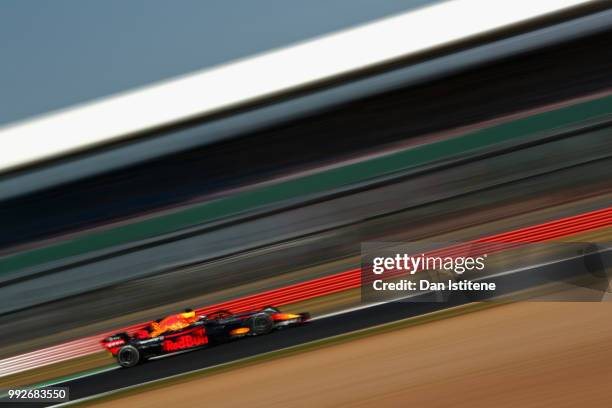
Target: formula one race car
[[186, 331]]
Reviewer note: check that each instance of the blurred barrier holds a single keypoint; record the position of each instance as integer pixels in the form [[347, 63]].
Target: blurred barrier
[[585, 115], [575, 162], [307, 290]]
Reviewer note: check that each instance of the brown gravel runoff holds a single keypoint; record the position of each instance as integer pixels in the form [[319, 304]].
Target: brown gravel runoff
[[531, 354]]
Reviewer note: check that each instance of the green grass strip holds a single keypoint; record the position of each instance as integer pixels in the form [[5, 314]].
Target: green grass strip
[[316, 183]]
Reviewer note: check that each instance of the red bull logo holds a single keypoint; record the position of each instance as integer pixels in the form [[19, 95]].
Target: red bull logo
[[194, 339]]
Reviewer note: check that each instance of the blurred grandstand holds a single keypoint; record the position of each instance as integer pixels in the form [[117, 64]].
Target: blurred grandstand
[[271, 171]]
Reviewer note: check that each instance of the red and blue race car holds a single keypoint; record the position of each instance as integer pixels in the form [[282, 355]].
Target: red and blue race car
[[186, 331]]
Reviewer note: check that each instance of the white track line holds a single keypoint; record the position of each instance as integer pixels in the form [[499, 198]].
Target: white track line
[[504, 273], [325, 316], [107, 393], [35, 357], [77, 377]]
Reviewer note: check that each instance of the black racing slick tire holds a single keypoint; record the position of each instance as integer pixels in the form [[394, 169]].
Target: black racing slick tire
[[129, 356], [261, 323]]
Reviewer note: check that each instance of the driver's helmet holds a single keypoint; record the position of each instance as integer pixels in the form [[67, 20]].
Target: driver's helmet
[[188, 314]]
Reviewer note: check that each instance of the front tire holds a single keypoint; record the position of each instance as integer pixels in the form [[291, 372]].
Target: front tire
[[129, 356]]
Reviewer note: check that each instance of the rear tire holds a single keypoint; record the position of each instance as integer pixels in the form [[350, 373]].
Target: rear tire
[[129, 356], [261, 323]]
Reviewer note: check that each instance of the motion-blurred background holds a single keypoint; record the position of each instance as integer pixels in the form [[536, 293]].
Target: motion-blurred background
[[480, 134]]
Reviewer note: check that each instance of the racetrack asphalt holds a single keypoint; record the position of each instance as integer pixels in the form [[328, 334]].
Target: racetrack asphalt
[[315, 330]]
